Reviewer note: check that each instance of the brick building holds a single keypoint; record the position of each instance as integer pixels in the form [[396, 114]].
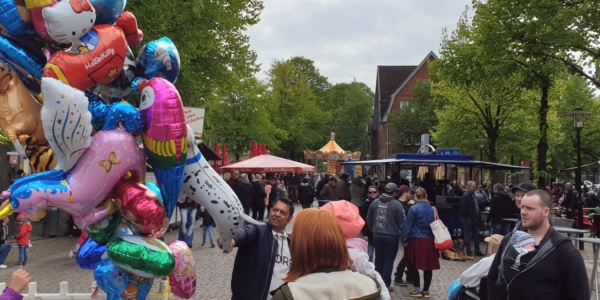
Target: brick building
[[393, 91]]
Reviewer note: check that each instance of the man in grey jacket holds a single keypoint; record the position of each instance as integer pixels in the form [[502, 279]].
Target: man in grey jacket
[[386, 218]]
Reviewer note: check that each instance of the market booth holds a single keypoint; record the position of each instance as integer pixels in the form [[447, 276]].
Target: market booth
[[442, 168], [268, 164]]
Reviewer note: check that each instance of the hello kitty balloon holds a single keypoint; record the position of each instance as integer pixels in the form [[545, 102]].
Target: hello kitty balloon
[[61, 22]]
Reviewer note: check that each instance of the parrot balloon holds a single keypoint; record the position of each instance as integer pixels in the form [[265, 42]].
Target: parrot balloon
[[164, 136]]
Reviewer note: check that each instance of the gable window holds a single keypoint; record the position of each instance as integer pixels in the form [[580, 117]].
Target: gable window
[[403, 104]]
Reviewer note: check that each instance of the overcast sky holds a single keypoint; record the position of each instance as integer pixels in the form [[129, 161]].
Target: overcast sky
[[347, 39]]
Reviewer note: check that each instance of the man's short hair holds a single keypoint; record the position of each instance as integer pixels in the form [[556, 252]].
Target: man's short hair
[[258, 176], [287, 202], [332, 178], [498, 187], [471, 183], [545, 197]]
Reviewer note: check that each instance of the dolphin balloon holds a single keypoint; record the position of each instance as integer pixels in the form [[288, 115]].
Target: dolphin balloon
[[202, 184]]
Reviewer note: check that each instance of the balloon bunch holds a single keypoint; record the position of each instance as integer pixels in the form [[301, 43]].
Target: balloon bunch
[[66, 71]]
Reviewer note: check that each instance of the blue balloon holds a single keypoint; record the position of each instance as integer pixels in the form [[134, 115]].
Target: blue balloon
[[11, 20], [124, 113], [159, 58], [107, 11], [97, 108], [119, 284], [156, 190], [29, 67], [90, 254]]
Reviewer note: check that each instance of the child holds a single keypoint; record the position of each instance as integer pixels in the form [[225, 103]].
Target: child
[[22, 238], [207, 225], [523, 242]]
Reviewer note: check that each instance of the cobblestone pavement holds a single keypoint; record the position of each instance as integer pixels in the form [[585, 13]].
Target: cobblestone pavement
[[49, 265]]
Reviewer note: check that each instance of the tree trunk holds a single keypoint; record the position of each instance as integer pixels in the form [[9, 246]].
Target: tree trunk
[[492, 145], [542, 146]]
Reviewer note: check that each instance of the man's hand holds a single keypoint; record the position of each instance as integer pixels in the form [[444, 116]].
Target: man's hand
[[220, 244], [19, 280]]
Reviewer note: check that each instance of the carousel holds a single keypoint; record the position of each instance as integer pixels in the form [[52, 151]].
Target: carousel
[[332, 153]]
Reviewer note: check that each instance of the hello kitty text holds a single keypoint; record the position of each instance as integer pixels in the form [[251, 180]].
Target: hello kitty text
[[100, 58]]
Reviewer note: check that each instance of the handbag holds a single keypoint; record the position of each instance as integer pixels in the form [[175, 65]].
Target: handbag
[[441, 235]]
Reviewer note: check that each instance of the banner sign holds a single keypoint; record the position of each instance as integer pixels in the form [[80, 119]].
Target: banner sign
[[194, 116]]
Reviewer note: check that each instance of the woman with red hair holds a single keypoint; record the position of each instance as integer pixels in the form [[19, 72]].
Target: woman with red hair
[[321, 264]]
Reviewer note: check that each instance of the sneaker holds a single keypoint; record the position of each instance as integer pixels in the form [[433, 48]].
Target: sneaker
[[24, 264], [399, 281], [3, 266], [415, 294], [425, 294], [478, 253], [212, 245], [203, 243], [71, 254], [390, 288]]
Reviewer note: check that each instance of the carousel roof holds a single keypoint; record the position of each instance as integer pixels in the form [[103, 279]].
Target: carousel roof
[[331, 146]]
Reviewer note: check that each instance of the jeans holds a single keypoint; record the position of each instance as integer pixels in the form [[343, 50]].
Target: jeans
[[247, 210], [402, 265], [4, 250], [501, 229], [370, 251], [471, 234], [386, 249], [186, 228], [208, 229], [23, 251]]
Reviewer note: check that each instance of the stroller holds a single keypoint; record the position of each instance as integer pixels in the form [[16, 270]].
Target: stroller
[[457, 291]]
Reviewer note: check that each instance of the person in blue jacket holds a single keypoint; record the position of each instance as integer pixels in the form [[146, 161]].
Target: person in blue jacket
[[263, 256]]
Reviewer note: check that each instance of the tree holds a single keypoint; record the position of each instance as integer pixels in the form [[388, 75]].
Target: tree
[[500, 34], [351, 106], [478, 96], [318, 82], [210, 37], [239, 116], [416, 119], [293, 109]]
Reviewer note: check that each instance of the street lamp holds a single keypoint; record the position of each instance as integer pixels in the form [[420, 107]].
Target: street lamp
[[578, 115], [481, 140]]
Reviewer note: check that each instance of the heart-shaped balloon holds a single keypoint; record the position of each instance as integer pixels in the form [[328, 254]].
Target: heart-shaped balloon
[[183, 279]]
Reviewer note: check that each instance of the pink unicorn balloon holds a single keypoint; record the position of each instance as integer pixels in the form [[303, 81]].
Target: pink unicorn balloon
[[81, 189]]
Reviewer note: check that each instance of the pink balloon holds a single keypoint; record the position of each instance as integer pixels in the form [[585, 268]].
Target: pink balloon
[[183, 278], [111, 155]]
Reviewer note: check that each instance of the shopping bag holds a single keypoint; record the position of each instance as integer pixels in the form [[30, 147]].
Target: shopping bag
[[441, 235]]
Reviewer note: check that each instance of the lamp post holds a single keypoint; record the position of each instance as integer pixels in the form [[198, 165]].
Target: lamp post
[[578, 115], [481, 140]]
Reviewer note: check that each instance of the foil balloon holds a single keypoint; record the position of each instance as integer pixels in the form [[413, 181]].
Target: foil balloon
[[15, 18], [128, 22], [20, 113], [156, 191], [103, 230], [183, 278], [76, 189], [120, 88], [67, 21], [164, 136], [143, 256], [120, 284], [122, 230], [36, 7], [107, 11], [125, 115], [90, 254], [202, 184], [26, 64], [41, 157], [95, 59], [98, 109], [139, 206], [159, 58]]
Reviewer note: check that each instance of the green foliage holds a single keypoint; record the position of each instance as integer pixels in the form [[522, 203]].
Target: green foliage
[[239, 116], [351, 106], [210, 37], [293, 108], [417, 118]]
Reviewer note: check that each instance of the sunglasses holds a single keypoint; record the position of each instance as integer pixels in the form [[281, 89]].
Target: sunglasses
[[372, 192]]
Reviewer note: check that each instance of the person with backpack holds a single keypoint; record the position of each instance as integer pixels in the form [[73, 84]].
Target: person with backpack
[[306, 195]]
